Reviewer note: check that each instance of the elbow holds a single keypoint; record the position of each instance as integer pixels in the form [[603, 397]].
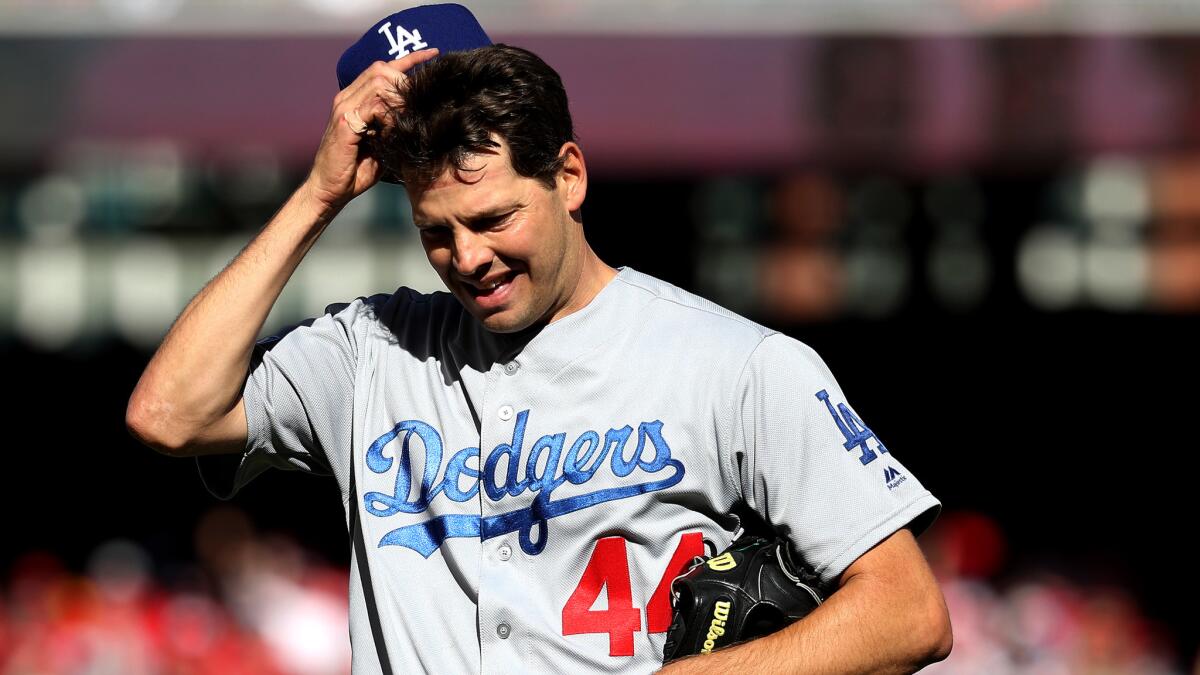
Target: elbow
[[147, 422], [938, 632]]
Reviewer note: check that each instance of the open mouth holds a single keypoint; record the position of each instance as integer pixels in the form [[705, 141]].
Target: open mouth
[[493, 292]]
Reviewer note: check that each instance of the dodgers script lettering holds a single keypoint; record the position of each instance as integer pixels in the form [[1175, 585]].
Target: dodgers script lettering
[[577, 464]]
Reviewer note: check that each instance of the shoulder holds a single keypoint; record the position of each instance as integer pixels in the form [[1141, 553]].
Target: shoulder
[[405, 310], [671, 307], [405, 315], [736, 340], [409, 304]]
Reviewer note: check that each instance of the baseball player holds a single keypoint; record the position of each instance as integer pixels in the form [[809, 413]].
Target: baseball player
[[527, 461]]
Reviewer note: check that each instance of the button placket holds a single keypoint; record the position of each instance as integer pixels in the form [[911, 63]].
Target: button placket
[[500, 573]]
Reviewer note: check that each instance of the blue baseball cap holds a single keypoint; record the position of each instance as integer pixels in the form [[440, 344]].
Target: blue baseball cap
[[449, 27]]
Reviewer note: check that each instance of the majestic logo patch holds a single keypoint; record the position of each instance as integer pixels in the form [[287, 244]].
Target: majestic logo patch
[[892, 477], [857, 434], [579, 464]]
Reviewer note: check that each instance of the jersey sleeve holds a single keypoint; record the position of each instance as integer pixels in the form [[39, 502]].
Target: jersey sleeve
[[811, 468], [299, 401]]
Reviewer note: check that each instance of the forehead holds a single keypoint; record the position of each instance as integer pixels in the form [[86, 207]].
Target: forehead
[[487, 180]]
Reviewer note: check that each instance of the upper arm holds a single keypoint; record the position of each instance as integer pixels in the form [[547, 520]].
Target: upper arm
[[897, 554], [225, 436], [297, 404]]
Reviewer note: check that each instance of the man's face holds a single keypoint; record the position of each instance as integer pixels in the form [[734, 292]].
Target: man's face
[[504, 245]]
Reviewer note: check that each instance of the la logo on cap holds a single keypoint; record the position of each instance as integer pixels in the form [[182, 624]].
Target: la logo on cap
[[403, 42], [448, 27]]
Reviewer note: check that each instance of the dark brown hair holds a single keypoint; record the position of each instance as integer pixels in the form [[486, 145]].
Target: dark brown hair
[[453, 103]]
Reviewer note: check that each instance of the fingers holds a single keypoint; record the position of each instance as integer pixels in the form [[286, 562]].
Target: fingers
[[366, 119], [375, 90], [389, 72], [406, 62], [357, 124], [340, 169]]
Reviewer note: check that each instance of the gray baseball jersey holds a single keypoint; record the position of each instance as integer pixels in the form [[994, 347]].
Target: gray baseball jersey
[[521, 504]]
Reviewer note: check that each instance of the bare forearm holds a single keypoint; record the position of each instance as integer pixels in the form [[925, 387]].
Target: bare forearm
[[195, 379], [197, 373], [834, 639]]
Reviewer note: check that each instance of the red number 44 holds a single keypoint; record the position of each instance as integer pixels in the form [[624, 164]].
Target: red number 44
[[609, 568]]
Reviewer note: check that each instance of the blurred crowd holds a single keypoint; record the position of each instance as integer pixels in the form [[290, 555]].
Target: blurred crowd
[[255, 603], [1036, 622], [251, 604]]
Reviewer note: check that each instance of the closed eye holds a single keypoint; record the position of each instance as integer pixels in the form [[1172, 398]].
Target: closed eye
[[490, 222], [434, 232]]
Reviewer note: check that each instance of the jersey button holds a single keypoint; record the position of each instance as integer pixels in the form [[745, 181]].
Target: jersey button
[[503, 630], [505, 552], [506, 412], [511, 367]]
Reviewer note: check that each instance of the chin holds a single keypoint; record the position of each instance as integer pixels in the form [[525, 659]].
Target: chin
[[504, 322]]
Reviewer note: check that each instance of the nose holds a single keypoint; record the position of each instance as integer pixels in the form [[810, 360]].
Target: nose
[[472, 252]]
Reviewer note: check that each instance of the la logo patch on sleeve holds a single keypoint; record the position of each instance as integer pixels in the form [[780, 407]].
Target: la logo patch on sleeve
[[858, 435]]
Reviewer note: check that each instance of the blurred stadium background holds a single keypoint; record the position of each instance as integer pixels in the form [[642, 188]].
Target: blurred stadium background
[[985, 214]]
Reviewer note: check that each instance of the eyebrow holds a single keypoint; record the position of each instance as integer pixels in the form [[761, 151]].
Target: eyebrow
[[484, 214]]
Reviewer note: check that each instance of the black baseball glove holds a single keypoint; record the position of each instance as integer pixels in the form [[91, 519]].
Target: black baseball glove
[[751, 589]]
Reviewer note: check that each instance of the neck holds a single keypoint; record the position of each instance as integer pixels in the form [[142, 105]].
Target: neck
[[594, 272], [594, 275]]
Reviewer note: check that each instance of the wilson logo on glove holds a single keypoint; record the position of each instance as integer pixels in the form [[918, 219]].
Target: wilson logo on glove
[[751, 589], [723, 562], [717, 628]]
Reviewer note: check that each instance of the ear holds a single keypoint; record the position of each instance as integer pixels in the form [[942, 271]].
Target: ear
[[572, 177]]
